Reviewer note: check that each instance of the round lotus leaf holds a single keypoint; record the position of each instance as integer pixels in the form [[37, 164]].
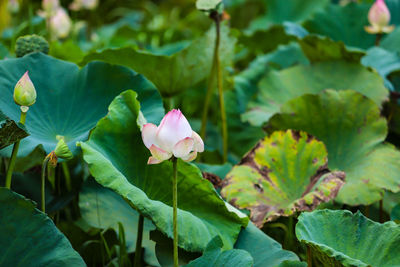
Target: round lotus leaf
[[353, 131], [340, 238], [117, 159], [30, 238], [284, 173], [278, 87], [69, 100]]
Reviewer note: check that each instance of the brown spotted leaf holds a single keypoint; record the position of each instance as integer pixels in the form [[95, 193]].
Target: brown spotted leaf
[[284, 173], [10, 131]]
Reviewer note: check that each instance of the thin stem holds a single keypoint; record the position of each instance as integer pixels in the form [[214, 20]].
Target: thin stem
[[290, 232], [221, 93], [208, 98], [175, 208], [138, 252], [67, 175], [14, 153], [378, 39], [366, 211], [309, 257], [381, 211], [44, 169]]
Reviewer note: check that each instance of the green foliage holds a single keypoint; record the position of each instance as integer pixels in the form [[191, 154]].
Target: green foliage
[[117, 159], [10, 131], [72, 100], [181, 70], [282, 174], [102, 208], [265, 251], [340, 238], [278, 87], [20, 222], [353, 132], [214, 256]]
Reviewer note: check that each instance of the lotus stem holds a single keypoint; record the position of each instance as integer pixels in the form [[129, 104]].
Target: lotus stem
[[309, 257], [43, 185], [216, 66], [14, 153], [175, 209], [139, 238], [381, 211], [221, 94], [378, 39], [67, 175]]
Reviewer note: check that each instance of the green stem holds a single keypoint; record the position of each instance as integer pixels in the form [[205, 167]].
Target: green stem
[[290, 232], [221, 94], [139, 237], [378, 39], [14, 153], [309, 257], [44, 169], [67, 175], [208, 98], [381, 211], [175, 208]]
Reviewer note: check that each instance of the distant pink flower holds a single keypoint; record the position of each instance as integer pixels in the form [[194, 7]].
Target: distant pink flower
[[379, 18], [77, 5], [174, 137]]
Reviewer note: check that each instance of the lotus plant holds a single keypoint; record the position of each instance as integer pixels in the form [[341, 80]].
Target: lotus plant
[[58, 22], [379, 18], [24, 96], [172, 139]]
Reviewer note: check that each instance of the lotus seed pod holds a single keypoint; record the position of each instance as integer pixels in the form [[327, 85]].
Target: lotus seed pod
[[30, 44], [62, 150], [24, 92]]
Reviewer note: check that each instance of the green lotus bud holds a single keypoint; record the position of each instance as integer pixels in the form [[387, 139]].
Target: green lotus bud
[[30, 44], [62, 150], [24, 92]]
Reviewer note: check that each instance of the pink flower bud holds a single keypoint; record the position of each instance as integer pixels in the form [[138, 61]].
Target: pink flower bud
[[379, 18], [60, 24], [173, 137]]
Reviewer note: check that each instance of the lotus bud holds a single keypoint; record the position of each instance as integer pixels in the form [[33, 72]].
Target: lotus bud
[[173, 137], [379, 18], [13, 6], [62, 150], [24, 92], [60, 24], [50, 7]]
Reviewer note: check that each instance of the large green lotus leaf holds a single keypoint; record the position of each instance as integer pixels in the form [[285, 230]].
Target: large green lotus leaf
[[353, 131], [10, 131], [391, 41], [340, 238], [29, 237], [278, 87], [172, 74], [343, 23], [284, 173], [266, 252], [117, 159], [214, 256], [383, 61], [69, 100], [319, 48], [102, 208], [289, 10]]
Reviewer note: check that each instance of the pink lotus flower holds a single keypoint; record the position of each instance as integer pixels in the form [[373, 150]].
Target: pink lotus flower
[[174, 137], [379, 18]]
